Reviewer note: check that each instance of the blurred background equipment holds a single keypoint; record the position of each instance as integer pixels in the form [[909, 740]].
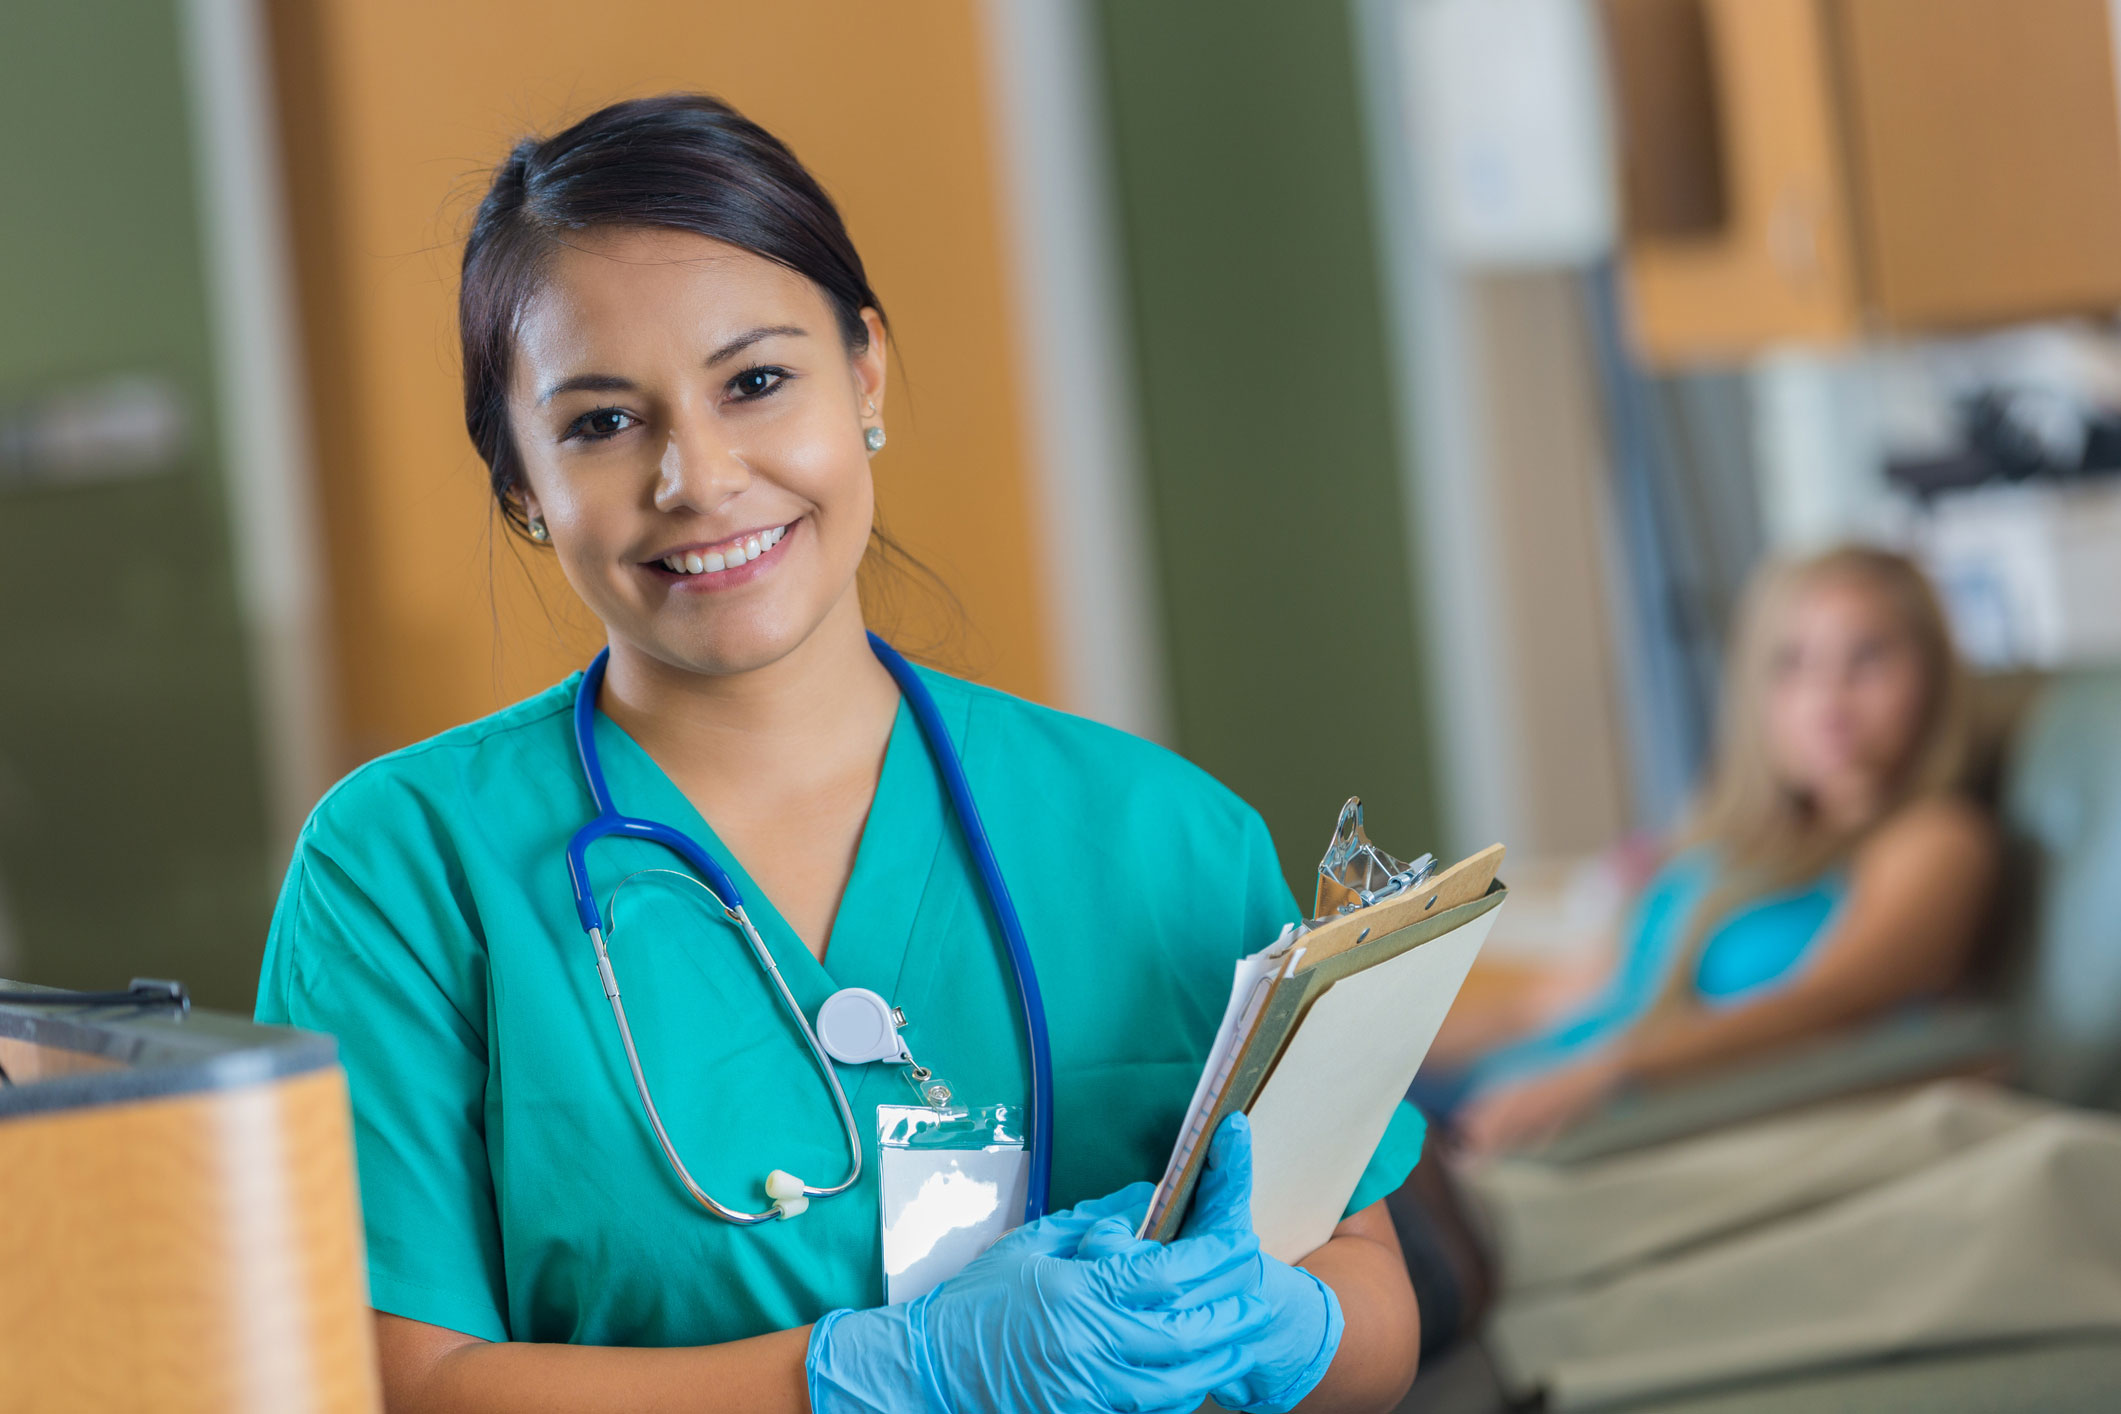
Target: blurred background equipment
[[120, 427]]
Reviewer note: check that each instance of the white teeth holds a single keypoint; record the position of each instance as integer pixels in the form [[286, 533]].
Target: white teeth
[[741, 552]]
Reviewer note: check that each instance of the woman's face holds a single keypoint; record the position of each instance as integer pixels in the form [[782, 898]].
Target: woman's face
[[690, 423], [1847, 692]]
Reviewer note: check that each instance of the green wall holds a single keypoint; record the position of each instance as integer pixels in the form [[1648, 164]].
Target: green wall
[[132, 833], [1265, 391]]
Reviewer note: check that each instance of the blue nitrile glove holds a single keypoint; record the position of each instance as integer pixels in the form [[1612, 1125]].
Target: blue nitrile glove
[[1029, 1325], [1290, 1355]]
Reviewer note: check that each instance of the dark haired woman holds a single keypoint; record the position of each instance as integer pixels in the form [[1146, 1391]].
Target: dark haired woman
[[674, 369]]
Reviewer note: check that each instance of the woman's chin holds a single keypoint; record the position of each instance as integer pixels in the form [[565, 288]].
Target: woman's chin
[[731, 644]]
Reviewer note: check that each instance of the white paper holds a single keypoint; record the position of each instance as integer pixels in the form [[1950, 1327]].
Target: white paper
[[1248, 992]]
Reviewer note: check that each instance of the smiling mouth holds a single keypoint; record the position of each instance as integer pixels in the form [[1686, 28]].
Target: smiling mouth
[[728, 555]]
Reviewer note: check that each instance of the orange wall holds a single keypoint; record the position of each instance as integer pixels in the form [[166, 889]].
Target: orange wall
[[392, 111]]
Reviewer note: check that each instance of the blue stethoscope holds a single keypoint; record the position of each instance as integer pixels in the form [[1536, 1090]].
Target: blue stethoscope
[[790, 1194]]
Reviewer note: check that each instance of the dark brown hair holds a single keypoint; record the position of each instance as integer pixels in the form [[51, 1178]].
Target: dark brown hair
[[681, 161]]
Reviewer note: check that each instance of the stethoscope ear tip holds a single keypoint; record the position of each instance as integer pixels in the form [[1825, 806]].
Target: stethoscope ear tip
[[789, 1194]]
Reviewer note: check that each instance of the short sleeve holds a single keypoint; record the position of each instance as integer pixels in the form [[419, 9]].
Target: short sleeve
[[1270, 904], [1397, 1154], [398, 989]]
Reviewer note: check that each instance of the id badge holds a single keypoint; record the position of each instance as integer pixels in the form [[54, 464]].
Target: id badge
[[951, 1181]]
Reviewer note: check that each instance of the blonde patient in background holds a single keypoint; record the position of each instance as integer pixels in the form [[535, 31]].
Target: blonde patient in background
[[1832, 869]]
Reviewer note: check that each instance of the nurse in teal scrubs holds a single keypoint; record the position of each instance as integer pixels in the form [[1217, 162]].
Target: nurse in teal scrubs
[[674, 370]]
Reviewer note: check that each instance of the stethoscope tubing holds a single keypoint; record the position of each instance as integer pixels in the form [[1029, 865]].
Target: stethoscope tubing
[[609, 822], [716, 881], [990, 870], [817, 1052]]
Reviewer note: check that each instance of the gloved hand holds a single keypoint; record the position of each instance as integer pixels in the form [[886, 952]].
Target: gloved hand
[[1289, 1357], [1029, 1324]]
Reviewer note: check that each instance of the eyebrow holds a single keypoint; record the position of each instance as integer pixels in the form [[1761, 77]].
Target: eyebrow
[[744, 341], [587, 383], [612, 383]]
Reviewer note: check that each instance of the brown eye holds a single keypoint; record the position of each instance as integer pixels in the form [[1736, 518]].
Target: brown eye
[[599, 424], [756, 382]]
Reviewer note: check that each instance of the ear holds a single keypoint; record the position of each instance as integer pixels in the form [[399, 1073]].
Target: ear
[[870, 365]]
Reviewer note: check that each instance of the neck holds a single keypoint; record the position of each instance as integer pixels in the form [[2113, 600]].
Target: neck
[[1848, 804], [791, 721]]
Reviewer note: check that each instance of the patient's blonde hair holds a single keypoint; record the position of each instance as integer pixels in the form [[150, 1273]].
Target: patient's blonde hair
[[1764, 833]]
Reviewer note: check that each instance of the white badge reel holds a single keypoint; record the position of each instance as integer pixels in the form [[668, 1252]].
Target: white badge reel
[[951, 1180], [858, 1027]]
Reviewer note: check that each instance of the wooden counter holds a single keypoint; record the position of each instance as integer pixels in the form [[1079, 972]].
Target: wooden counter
[[179, 1222]]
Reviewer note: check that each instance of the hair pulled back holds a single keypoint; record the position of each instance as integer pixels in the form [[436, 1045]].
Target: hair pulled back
[[680, 161]]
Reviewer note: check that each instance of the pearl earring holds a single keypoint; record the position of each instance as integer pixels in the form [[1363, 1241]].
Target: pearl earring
[[873, 438], [538, 532]]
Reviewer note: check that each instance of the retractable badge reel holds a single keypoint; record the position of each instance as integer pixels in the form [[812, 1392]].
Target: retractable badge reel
[[950, 1177], [858, 1027]]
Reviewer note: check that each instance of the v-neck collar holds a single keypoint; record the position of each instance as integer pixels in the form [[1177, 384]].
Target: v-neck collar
[[902, 839]]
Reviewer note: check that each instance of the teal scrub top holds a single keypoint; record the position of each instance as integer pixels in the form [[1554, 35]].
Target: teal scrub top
[[510, 1185]]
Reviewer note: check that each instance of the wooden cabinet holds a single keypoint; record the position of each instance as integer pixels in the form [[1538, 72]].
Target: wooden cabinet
[[1809, 171], [1986, 145]]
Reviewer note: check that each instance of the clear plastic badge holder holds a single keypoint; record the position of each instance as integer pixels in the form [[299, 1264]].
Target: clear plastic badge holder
[[952, 1181]]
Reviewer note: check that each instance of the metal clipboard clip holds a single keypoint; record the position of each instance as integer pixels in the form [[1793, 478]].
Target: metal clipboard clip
[[1355, 874]]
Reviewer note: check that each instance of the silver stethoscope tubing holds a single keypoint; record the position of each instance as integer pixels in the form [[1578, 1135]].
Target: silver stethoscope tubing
[[716, 881]]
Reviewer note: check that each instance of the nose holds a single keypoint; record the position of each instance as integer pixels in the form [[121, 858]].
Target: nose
[[700, 468]]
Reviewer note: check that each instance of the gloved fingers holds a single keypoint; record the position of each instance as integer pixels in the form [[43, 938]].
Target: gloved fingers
[[1237, 1279], [1134, 1197], [1057, 1234], [1243, 1319], [1182, 1385], [1188, 1272], [1054, 1235], [1222, 1202], [1110, 1237]]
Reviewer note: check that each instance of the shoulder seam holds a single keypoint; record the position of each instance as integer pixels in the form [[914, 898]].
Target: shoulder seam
[[477, 733], [466, 736]]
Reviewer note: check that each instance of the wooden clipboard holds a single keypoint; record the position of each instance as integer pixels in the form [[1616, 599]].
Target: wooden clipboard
[[1331, 953]]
